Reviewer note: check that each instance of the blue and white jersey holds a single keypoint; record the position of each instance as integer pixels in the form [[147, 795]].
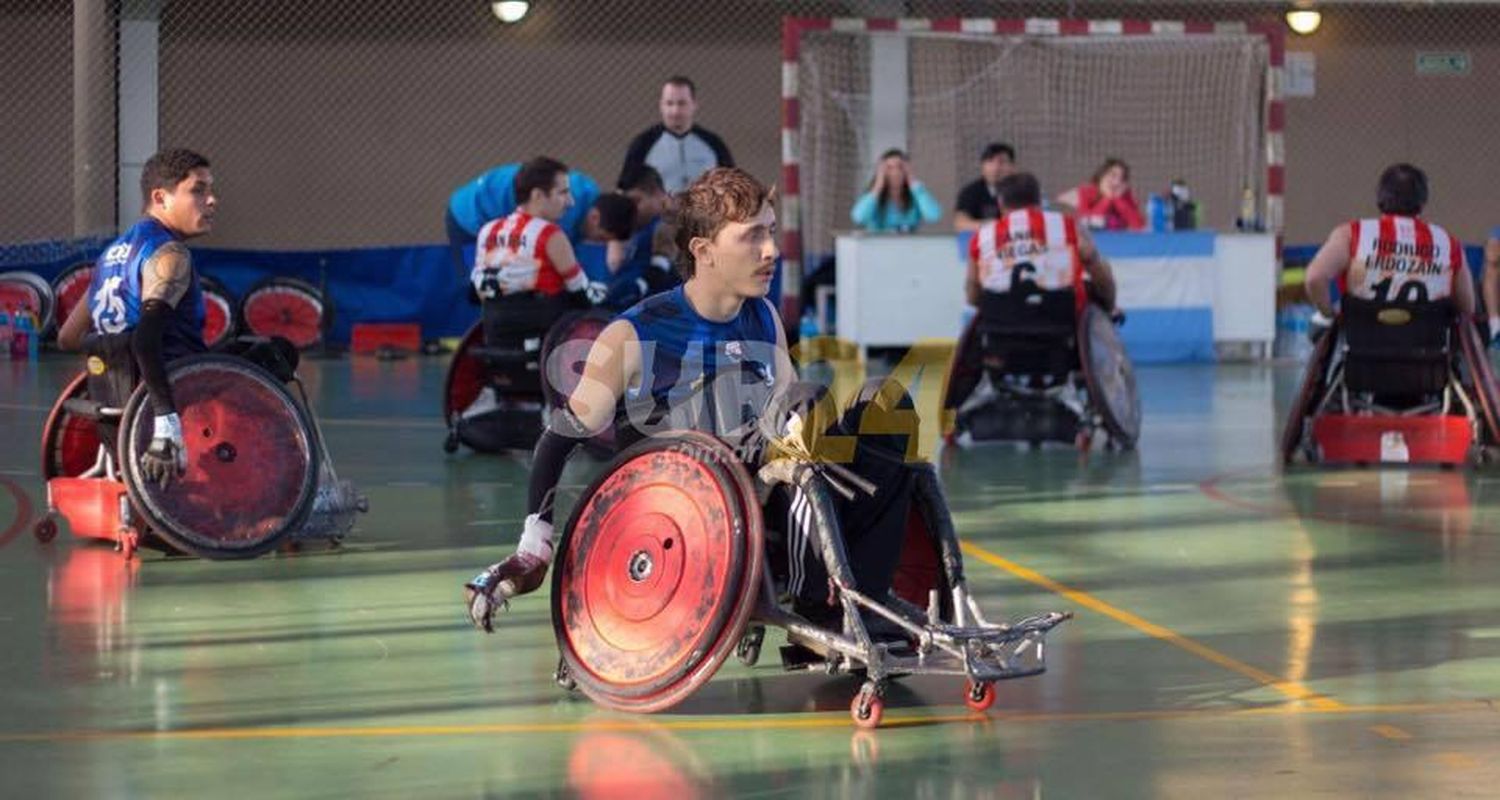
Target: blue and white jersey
[[114, 296], [698, 374]]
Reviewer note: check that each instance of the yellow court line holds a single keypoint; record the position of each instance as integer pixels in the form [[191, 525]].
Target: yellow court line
[[721, 724], [1292, 690], [1391, 732]]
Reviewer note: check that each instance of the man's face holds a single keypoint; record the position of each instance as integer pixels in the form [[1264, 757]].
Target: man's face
[[593, 228], [678, 107], [190, 206], [648, 204], [556, 202], [994, 168], [742, 256]]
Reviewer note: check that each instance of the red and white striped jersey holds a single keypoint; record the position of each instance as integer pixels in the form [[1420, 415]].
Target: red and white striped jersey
[[520, 241], [1401, 258], [1028, 245]]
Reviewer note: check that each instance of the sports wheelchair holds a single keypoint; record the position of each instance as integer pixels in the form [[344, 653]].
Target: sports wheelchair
[[1395, 382], [529, 375], [1038, 366], [258, 471], [663, 572]]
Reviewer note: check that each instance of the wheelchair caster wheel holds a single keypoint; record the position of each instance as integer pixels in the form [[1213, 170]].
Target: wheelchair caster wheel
[[748, 650], [980, 695], [564, 678], [45, 529], [450, 444], [129, 543], [1083, 441], [867, 709]]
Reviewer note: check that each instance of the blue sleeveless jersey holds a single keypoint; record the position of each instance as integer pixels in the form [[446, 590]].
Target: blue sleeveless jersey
[[114, 296], [683, 354]]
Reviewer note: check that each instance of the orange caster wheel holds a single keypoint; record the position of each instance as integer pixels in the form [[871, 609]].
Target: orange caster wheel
[[867, 709], [980, 695]]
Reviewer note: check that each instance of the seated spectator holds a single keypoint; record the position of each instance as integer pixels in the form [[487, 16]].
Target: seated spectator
[[980, 199], [1105, 203], [895, 202]]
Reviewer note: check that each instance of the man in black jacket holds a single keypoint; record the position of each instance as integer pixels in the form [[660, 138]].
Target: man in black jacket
[[676, 148]]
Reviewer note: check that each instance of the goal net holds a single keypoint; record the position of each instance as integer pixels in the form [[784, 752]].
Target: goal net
[[1172, 106]]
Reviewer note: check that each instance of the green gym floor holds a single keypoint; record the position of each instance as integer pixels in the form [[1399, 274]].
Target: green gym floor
[[1239, 632]]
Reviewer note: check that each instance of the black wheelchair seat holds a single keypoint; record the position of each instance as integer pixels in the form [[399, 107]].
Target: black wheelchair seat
[[1397, 349], [1029, 333]]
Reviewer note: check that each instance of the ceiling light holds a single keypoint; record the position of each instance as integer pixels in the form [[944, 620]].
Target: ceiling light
[[510, 11], [1304, 20]]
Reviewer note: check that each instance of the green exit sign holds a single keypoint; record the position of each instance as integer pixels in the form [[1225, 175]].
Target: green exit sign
[[1443, 63]]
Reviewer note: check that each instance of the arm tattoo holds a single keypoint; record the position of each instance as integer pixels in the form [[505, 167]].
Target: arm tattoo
[[167, 274]]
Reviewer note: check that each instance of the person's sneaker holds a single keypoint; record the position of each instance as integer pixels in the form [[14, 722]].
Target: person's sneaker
[[491, 590]]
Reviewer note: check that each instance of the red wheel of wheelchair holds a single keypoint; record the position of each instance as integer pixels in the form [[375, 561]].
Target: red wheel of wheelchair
[[218, 312], [20, 290], [1476, 355], [1110, 377], [919, 571], [1313, 380], [288, 307], [70, 444], [252, 460], [659, 568], [565, 349], [69, 287], [465, 375], [962, 375]]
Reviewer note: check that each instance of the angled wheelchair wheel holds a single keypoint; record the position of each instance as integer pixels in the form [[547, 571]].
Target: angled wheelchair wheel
[[70, 443], [28, 290], [962, 376], [1482, 375], [1314, 379], [658, 572], [465, 376], [287, 307], [565, 349], [252, 460], [70, 287], [1110, 376], [219, 324]]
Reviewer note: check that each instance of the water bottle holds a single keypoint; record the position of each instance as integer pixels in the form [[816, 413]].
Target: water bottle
[[1247, 220], [6, 332], [809, 327], [1156, 211], [23, 346]]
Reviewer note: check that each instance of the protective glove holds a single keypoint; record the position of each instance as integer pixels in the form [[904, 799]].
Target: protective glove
[[596, 291], [166, 458], [486, 283]]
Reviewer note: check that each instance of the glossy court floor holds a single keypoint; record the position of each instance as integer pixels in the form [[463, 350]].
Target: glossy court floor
[[1239, 632]]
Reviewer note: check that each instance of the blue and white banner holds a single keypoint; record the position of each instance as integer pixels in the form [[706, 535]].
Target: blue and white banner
[[1166, 288]]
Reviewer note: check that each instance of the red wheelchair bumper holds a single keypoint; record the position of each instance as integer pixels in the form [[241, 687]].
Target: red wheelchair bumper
[[1373, 440], [91, 506]]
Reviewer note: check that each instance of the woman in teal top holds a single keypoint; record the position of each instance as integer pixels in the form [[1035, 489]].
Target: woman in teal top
[[895, 201]]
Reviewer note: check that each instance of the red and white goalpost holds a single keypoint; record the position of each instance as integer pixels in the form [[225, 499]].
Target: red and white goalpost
[[1195, 100]]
